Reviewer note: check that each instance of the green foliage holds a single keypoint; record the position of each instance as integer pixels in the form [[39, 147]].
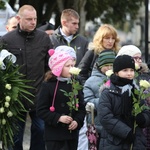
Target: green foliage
[[12, 90], [138, 96], [114, 12], [138, 106], [2, 5], [74, 101]]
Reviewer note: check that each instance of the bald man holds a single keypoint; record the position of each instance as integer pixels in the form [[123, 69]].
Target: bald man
[[11, 24], [30, 46]]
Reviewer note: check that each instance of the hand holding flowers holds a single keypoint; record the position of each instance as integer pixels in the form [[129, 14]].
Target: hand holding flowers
[[73, 102], [138, 106], [141, 94]]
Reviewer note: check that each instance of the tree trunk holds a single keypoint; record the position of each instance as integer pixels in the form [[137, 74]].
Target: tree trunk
[[60, 5], [82, 13]]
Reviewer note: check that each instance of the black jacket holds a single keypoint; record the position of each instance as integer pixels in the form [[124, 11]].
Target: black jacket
[[116, 125], [31, 50], [55, 130], [86, 65], [79, 43]]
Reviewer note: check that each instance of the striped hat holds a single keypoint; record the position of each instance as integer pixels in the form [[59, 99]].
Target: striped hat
[[106, 57]]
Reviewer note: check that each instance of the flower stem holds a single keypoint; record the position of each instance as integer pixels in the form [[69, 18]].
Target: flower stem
[[131, 147]]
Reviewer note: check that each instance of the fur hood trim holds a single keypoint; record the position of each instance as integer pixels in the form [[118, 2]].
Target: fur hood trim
[[144, 68]]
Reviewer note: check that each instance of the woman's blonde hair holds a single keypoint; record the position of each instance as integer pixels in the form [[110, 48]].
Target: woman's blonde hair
[[104, 31]]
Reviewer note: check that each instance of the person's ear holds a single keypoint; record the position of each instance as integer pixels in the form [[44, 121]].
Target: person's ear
[[64, 22], [18, 18], [7, 28]]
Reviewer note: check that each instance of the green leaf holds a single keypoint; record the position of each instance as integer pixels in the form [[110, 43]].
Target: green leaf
[[19, 89], [73, 100]]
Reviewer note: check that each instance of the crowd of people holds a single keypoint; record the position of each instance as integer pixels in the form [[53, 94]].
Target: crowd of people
[[58, 122]]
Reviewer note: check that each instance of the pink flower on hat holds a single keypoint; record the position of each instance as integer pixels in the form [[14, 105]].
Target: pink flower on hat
[[57, 61]]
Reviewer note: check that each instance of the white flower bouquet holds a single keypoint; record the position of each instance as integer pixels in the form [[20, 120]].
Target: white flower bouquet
[[140, 95], [138, 105]]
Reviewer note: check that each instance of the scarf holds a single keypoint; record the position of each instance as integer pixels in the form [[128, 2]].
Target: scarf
[[63, 79], [126, 86]]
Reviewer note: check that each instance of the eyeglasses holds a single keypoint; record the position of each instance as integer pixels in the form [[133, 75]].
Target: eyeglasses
[[137, 58]]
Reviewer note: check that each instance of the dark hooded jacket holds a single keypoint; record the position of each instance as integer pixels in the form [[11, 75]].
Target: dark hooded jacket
[[115, 114], [31, 50]]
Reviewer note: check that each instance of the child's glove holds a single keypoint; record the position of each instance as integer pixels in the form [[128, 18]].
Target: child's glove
[[140, 120], [89, 106]]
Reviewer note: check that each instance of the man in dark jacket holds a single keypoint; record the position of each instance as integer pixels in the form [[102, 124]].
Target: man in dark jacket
[[67, 34], [30, 46]]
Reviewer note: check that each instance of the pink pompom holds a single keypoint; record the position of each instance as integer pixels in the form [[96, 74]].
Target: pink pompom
[[52, 108], [51, 52], [77, 105]]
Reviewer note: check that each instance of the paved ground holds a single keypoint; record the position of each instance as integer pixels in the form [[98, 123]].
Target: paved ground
[[26, 140]]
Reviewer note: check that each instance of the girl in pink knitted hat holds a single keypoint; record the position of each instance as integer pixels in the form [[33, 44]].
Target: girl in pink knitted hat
[[61, 128]]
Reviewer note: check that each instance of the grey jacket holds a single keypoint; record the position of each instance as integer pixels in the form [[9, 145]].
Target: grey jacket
[[91, 92], [79, 43]]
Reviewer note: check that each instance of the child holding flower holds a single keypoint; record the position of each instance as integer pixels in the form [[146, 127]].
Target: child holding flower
[[116, 109], [142, 71], [63, 114], [91, 91]]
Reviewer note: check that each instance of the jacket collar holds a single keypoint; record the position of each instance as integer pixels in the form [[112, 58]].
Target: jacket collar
[[58, 33], [26, 34]]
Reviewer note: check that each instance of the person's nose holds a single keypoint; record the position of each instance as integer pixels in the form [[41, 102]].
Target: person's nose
[[109, 67], [129, 73], [33, 21], [111, 39], [77, 26]]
